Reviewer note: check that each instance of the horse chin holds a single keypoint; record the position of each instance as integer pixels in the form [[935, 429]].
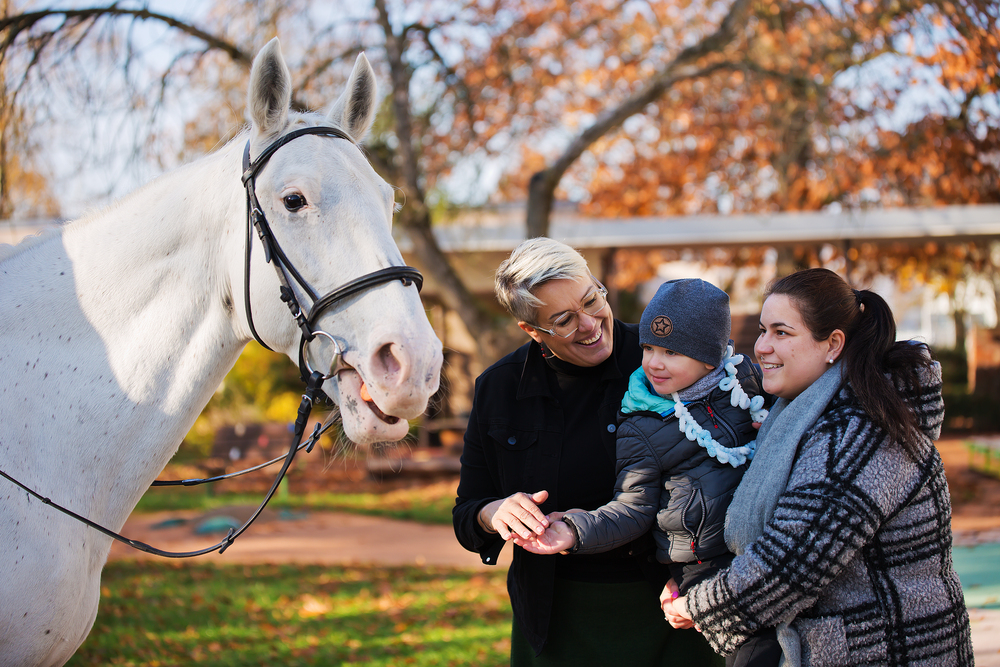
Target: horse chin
[[363, 421]]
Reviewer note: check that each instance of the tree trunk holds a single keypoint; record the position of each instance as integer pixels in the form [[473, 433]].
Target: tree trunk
[[491, 335], [959, 316]]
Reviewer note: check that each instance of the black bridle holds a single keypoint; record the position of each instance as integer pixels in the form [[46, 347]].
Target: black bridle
[[307, 325], [284, 268]]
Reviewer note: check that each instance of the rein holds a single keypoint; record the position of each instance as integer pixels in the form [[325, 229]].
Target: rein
[[306, 323], [300, 423]]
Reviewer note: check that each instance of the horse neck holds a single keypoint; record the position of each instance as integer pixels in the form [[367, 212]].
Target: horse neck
[[152, 270], [139, 294]]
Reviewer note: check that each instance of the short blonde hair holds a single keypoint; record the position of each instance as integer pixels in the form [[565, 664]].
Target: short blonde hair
[[533, 263]]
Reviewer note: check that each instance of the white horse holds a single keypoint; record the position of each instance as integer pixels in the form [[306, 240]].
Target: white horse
[[116, 330]]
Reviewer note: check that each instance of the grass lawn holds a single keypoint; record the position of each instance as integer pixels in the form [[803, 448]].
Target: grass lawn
[[169, 613], [156, 613]]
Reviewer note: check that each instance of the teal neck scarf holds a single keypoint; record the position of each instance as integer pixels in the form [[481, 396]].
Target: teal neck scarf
[[640, 397]]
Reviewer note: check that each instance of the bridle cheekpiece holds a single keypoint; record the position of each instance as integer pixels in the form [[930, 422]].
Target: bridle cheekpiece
[[284, 268]]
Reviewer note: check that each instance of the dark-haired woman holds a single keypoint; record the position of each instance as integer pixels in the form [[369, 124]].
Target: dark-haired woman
[[842, 524]]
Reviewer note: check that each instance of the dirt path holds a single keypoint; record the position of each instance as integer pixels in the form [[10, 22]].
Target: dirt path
[[331, 537], [315, 537]]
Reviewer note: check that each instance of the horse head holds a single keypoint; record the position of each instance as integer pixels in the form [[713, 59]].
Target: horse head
[[331, 214]]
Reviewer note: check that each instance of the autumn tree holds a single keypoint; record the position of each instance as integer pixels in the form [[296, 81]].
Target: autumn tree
[[785, 106], [799, 106], [626, 108], [18, 173]]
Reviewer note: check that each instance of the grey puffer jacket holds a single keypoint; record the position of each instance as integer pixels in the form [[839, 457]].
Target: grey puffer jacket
[[663, 476], [858, 550]]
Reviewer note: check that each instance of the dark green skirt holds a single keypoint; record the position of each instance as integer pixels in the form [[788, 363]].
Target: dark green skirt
[[611, 624]]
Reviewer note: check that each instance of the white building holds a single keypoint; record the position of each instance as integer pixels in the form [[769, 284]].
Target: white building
[[478, 241]]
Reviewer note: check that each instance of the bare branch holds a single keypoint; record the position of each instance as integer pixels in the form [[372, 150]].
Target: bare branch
[[13, 26], [541, 190]]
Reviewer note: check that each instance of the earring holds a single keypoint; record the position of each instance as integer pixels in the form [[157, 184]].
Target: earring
[[829, 361]]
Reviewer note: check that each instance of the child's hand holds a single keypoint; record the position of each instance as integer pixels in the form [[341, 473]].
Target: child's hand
[[557, 516], [557, 537], [677, 615]]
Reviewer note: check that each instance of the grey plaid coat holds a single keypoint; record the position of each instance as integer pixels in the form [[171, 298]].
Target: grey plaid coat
[[858, 551]]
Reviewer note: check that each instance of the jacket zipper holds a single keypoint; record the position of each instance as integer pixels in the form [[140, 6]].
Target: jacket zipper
[[694, 535], [719, 421], [711, 415], [698, 497]]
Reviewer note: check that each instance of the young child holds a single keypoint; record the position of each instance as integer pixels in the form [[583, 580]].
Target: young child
[[685, 438]]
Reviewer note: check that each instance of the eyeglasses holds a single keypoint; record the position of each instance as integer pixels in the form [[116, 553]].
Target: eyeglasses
[[569, 321]]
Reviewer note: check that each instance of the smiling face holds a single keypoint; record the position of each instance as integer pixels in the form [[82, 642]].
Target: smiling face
[[669, 371], [592, 342], [790, 357]]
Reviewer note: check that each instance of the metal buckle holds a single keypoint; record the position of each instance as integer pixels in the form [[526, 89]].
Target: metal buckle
[[337, 364]]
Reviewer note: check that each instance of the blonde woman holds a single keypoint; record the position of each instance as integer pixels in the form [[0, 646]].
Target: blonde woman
[[540, 441]]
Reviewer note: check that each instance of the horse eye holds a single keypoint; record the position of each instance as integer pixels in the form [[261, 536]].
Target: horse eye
[[294, 202]]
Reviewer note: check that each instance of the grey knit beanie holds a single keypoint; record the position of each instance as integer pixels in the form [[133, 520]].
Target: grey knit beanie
[[688, 316]]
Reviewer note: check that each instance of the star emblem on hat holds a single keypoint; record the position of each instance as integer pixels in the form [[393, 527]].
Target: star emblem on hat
[[661, 326]]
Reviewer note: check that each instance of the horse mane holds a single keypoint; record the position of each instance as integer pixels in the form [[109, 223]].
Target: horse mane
[[8, 251]]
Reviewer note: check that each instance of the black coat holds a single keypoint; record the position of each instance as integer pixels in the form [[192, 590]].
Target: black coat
[[514, 442]]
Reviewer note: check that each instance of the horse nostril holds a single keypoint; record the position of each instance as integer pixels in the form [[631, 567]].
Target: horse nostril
[[389, 360]]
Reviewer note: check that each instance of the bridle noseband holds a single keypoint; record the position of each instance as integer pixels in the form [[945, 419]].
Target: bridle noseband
[[272, 250], [307, 324]]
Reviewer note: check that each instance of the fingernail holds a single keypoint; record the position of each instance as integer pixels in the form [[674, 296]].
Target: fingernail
[[675, 594]]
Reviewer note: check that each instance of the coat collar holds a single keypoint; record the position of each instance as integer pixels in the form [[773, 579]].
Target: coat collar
[[534, 377]]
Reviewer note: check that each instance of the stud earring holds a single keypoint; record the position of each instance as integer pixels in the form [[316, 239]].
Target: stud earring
[[829, 361]]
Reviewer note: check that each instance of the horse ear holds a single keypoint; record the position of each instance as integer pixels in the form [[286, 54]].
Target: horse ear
[[270, 91], [354, 110]]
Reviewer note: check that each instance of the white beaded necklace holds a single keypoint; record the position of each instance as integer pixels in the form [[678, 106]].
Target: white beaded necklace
[[692, 430]]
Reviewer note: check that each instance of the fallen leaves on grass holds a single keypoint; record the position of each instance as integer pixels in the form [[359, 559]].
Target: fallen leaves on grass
[[168, 613]]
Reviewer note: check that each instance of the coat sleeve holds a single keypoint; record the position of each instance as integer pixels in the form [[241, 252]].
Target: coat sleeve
[[822, 520], [637, 495], [476, 488]]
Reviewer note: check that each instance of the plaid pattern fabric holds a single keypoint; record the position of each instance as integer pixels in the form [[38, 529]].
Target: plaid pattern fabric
[[858, 551]]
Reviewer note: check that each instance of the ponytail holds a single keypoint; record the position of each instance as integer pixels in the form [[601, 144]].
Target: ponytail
[[875, 362]]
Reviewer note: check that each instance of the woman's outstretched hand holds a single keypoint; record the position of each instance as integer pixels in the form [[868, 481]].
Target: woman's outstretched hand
[[517, 515], [558, 537]]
